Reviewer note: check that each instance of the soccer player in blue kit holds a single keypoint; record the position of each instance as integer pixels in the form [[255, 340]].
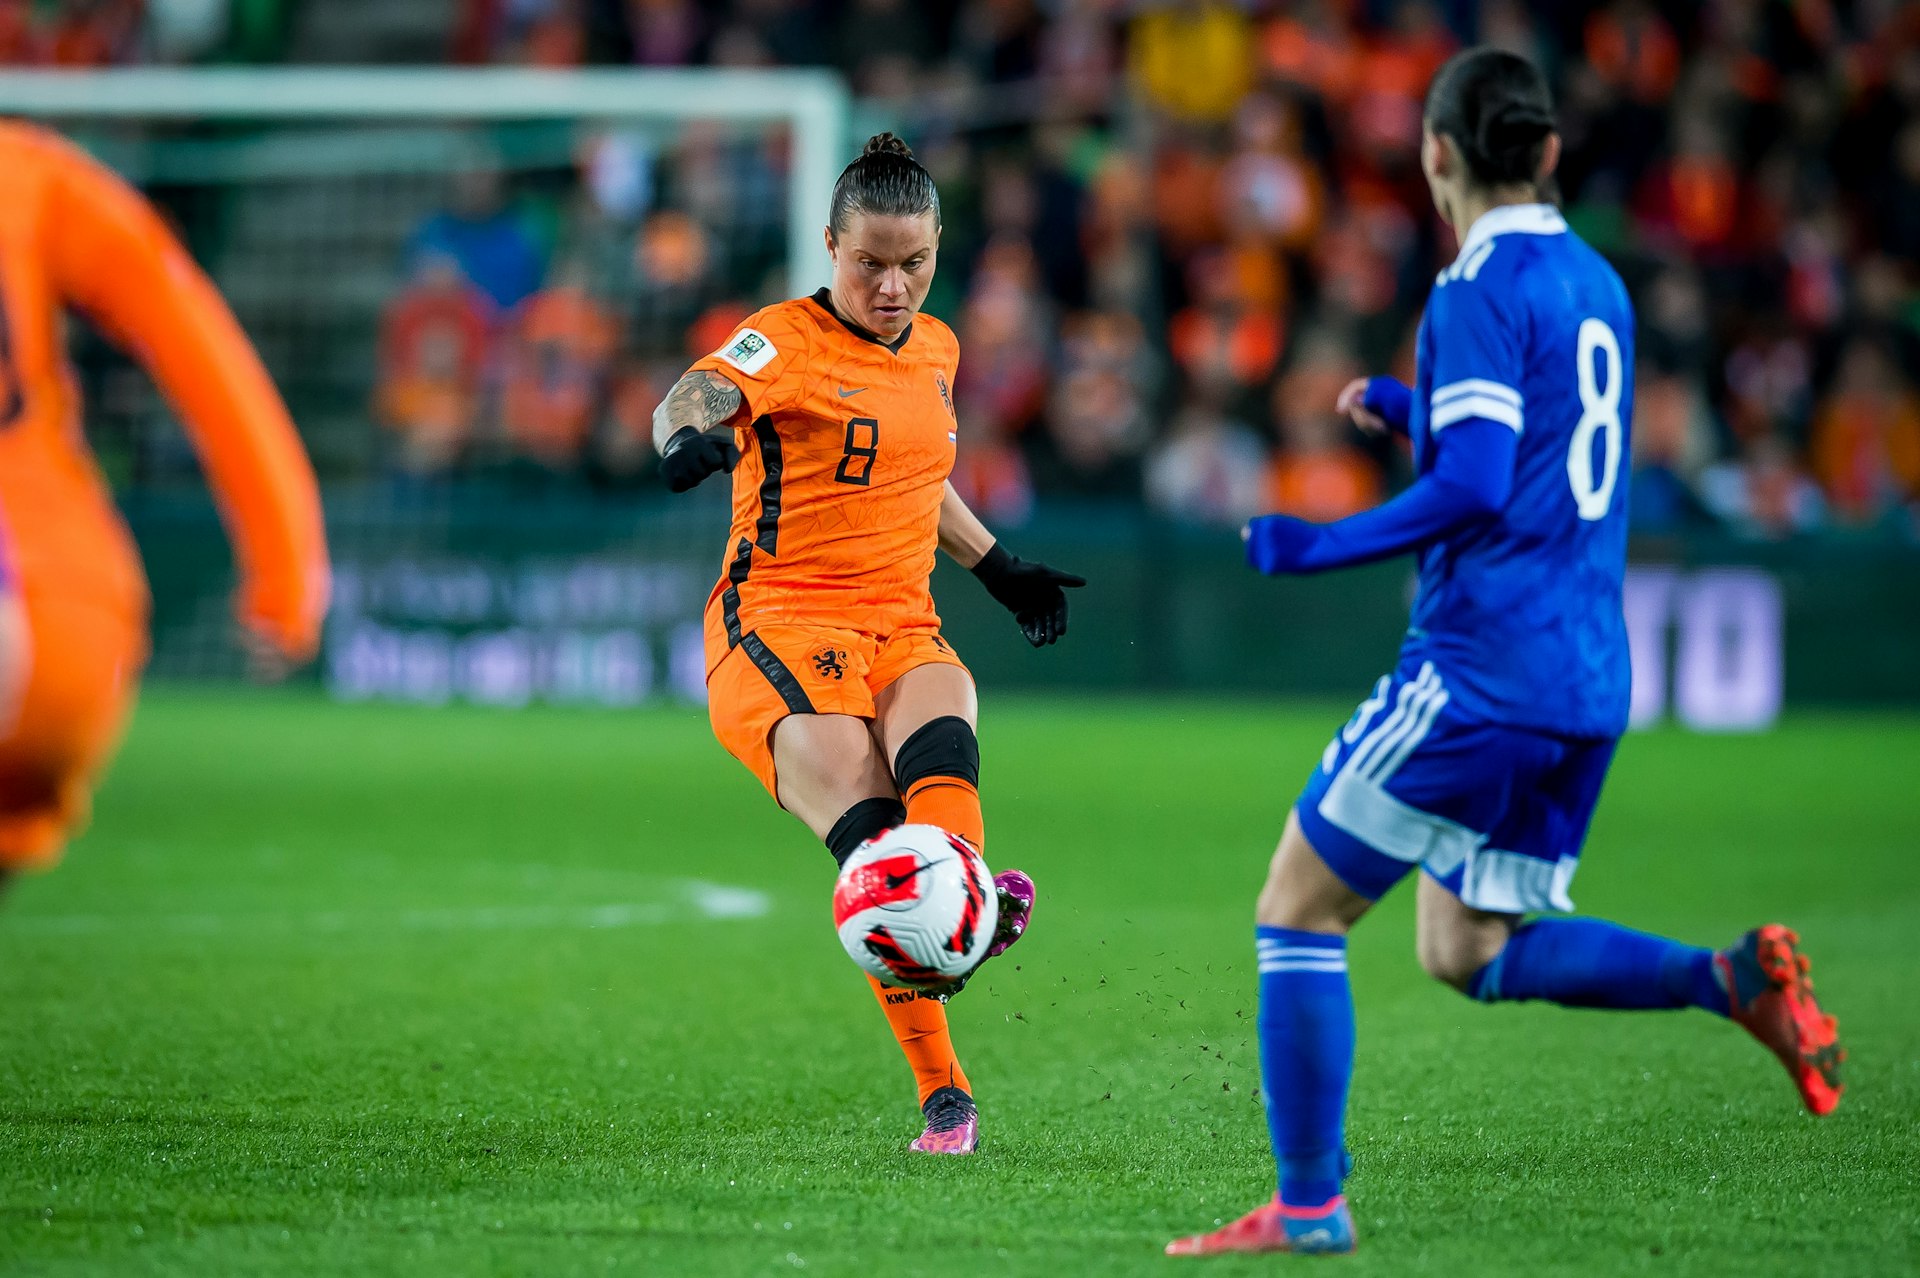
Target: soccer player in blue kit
[[1479, 760]]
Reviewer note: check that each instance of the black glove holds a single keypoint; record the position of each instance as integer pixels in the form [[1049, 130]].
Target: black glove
[[1034, 593], [692, 455]]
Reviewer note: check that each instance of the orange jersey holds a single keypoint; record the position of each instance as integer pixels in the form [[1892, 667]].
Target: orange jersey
[[72, 234], [844, 464]]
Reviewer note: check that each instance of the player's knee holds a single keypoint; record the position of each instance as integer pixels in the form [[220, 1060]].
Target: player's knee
[[1303, 893], [1454, 956], [943, 747]]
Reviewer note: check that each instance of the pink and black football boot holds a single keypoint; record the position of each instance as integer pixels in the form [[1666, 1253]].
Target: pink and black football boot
[[1016, 893], [953, 1124]]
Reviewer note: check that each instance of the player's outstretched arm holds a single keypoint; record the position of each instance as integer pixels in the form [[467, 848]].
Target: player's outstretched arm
[[112, 257], [1035, 594], [692, 428], [1471, 480], [1377, 405]]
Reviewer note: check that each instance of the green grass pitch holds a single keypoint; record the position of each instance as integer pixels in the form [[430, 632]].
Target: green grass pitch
[[390, 991]]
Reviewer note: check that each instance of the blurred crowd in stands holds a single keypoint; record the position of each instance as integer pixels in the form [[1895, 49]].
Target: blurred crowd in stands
[[100, 33], [1174, 230]]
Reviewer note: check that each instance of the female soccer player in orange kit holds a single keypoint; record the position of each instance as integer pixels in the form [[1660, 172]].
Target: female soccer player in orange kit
[[72, 235], [826, 671]]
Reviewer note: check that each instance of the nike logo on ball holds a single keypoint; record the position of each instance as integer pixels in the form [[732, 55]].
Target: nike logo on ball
[[897, 881]]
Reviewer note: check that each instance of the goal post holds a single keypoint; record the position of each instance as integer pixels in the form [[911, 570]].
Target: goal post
[[814, 104]]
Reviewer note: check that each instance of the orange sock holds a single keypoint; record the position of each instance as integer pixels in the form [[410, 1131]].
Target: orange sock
[[951, 803], [921, 1026]]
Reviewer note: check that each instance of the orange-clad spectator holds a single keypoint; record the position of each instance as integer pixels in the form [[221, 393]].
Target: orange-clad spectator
[[1258, 272], [626, 448], [19, 42], [1310, 45], [433, 353], [555, 36], [1866, 438], [1317, 474], [1183, 174], [560, 354], [1631, 47], [1392, 77], [1267, 187], [710, 331], [1318, 477], [74, 236], [673, 259], [1696, 195], [92, 34], [1193, 59], [1115, 226], [1220, 337], [541, 33], [989, 473]]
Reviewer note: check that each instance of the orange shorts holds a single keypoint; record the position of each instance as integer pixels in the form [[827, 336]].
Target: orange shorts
[[83, 663], [780, 670]]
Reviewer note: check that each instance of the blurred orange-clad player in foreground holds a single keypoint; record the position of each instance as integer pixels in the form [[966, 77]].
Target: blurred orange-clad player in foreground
[[73, 235]]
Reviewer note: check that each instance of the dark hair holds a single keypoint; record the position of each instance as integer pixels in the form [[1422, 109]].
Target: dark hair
[[885, 180], [1496, 107]]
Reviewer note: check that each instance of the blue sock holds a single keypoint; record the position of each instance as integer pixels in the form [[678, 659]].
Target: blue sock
[[1306, 1058], [1594, 963]]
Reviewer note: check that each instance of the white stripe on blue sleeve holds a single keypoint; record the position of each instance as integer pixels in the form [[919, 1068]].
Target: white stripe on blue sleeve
[[1476, 386], [1463, 407]]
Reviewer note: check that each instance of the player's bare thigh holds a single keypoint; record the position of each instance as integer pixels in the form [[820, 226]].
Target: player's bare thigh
[[826, 763], [918, 697], [14, 658], [1453, 939], [1302, 893]]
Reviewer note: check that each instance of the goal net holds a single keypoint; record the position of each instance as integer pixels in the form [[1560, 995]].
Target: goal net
[[471, 286]]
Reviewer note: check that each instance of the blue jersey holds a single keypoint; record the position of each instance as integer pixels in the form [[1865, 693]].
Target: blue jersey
[[1531, 328]]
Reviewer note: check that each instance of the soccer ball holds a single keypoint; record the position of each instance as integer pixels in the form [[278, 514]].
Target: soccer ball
[[916, 907]]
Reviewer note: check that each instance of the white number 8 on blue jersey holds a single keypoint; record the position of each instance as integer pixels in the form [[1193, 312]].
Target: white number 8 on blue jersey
[[1600, 412]]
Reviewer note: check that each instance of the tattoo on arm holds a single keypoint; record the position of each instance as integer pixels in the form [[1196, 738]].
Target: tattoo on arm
[[701, 400]]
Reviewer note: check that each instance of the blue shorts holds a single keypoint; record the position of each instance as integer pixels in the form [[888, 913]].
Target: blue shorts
[[1496, 814]]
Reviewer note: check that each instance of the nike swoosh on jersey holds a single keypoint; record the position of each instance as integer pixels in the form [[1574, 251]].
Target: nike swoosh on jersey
[[845, 393]]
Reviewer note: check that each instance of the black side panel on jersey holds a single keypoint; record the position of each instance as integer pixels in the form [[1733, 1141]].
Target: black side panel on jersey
[[766, 536], [768, 526], [730, 597]]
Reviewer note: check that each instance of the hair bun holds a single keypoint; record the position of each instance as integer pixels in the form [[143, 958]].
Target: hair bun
[[1512, 124], [886, 144]]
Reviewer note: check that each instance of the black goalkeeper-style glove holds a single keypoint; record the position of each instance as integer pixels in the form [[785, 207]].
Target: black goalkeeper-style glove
[[691, 455], [1035, 594]]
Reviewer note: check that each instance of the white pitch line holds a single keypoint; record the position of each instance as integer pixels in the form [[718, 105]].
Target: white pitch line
[[691, 899]]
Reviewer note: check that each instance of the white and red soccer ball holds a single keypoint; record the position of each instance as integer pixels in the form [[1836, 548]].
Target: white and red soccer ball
[[916, 907]]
